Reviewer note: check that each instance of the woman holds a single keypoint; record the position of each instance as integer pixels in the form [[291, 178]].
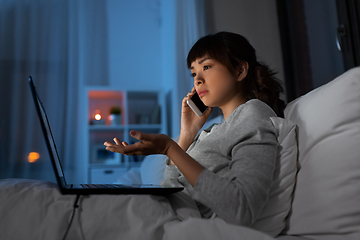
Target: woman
[[228, 168]]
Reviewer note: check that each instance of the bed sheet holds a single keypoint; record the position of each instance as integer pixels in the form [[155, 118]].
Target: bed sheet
[[32, 209]]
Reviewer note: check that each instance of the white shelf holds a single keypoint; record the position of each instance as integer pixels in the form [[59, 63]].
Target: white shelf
[[105, 128], [104, 165], [141, 110], [145, 126]]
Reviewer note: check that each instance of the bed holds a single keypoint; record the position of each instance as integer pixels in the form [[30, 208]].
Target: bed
[[315, 195]]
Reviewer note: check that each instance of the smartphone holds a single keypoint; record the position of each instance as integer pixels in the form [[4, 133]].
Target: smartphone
[[197, 105]]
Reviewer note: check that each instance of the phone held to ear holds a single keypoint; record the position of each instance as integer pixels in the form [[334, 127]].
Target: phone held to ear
[[197, 105]]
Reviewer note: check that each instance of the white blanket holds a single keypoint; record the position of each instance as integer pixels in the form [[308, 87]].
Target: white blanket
[[32, 209]]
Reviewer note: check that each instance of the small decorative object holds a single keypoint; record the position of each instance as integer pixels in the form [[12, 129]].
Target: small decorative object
[[97, 119], [102, 156], [115, 115]]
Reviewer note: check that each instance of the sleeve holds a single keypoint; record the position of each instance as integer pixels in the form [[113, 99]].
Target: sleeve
[[239, 197], [171, 171], [171, 174]]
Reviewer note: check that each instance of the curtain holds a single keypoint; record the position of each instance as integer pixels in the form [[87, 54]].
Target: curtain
[[59, 43], [189, 27]]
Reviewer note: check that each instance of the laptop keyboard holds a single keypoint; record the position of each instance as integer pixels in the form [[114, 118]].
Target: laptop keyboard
[[94, 186]]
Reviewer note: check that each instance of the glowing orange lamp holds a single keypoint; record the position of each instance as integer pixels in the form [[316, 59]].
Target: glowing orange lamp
[[97, 115], [33, 157], [97, 118]]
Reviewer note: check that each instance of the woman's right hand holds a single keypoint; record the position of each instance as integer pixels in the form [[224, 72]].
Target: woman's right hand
[[190, 122]]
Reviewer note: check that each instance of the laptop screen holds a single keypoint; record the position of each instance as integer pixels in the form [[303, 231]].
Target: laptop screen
[[50, 138], [47, 131]]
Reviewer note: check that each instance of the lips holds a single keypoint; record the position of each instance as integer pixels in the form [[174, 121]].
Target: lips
[[201, 93]]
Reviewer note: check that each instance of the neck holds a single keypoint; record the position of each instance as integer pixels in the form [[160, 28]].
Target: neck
[[229, 108]]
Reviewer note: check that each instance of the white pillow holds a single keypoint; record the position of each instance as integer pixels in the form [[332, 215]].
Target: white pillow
[[152, 169], [326, 202], [130, 177], [273, 217]]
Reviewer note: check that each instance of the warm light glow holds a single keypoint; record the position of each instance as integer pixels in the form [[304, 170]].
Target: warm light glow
[[97, 116], [33, 157]]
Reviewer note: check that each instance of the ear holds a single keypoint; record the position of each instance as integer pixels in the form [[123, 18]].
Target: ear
[[242, 70]]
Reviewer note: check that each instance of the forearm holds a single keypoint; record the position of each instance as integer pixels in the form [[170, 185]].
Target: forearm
[[186, 164], [185, 139]]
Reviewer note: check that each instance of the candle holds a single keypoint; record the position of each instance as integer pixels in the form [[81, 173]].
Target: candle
[[97, 118]]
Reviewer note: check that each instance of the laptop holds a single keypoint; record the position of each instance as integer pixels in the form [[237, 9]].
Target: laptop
[[87, 189]]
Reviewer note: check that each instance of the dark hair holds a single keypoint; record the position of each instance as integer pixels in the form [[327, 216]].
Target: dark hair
[[232, 49]]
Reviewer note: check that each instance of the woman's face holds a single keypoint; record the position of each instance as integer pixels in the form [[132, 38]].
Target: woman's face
[[216, 85]]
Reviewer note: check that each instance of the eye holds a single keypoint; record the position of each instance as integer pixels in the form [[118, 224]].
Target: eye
[[193, 75], [206, 67]]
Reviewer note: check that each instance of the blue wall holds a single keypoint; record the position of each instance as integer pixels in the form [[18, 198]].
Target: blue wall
[[134, 32], [142, 50]]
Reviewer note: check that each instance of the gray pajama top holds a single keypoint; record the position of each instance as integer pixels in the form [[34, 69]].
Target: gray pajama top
[[239, 159]]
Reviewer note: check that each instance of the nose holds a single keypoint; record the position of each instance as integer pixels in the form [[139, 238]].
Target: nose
[[198, 80]]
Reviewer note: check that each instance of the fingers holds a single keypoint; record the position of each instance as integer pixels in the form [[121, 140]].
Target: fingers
[[190, 94], [123, 147], [140, 135], [115, 147], [187, 97], [148, 144], [108, 144], [117, 141]]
